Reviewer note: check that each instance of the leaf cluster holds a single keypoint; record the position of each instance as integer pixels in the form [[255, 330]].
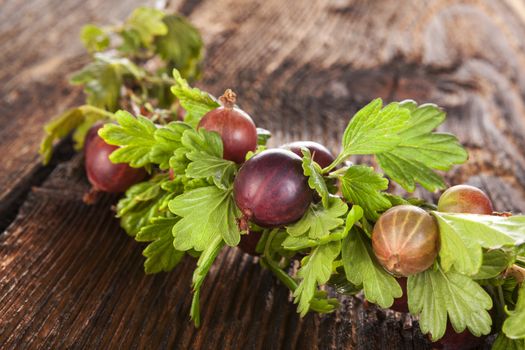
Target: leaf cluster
[[334, 234], [130, 68]]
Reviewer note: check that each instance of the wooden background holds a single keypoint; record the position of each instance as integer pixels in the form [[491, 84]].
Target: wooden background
[[70, 278]]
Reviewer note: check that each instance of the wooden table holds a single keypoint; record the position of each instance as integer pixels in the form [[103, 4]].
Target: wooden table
[[69, 277]]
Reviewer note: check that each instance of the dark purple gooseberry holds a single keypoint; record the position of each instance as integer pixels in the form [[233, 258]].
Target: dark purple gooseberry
[[405, 240], [91, 134], [320, 154], [249, 242], [271, 189], [457, 341], [465, 199], [101, 172], [236, 127], [401, 304]]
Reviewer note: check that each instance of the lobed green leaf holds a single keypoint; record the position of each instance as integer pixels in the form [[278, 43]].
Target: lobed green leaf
[[160, 253], [315, 178], [374, 129], [168, 139], [103, 78], [196, 102], [141, 203], [316, 271], [204, 149], [135, 136], [433, 294], [147, 23], [514, 325], [361, 185], [494, 262], [94, 38], [319, 220], [303, 241], [78, 119], [181, 46], [464, 235], [421, 151], [207, 213], [361, 267], [504, 343]]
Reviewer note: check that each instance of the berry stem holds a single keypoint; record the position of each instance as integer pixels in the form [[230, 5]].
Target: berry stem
[[228, 99], [91, 197], [274, 266], [268, 262]]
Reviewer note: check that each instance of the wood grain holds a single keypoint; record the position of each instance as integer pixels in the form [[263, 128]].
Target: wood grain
[[70, 278]]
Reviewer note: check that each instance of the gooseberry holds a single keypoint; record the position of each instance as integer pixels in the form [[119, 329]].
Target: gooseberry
[[103, 174], [465, 199], [236, 128], [457, 341], [320, 154], [405, 240], [401, 304], [271, 189]]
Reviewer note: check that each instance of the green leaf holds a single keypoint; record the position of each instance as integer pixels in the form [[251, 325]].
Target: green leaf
[[463, 236], [361, 185], [182, 47], [160, 254], [204, 149], [315, 178], [196, 102], [342, 285], [374, 129], [272, 250], [94, 38], [303, 241], [361, 267], [204, 263], [318, 221], [504, 343], [420, 150], [203, 141], [251, 154], [131, 41], [263, 136], [395, 200], [207, 213], [354, 215], [60, 126], [494, 262], [433, 294], [514, 325], [135, 136], [80, 132], [147, 23], [103, 78], [141, 203], [316, 271], [167, 141]]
